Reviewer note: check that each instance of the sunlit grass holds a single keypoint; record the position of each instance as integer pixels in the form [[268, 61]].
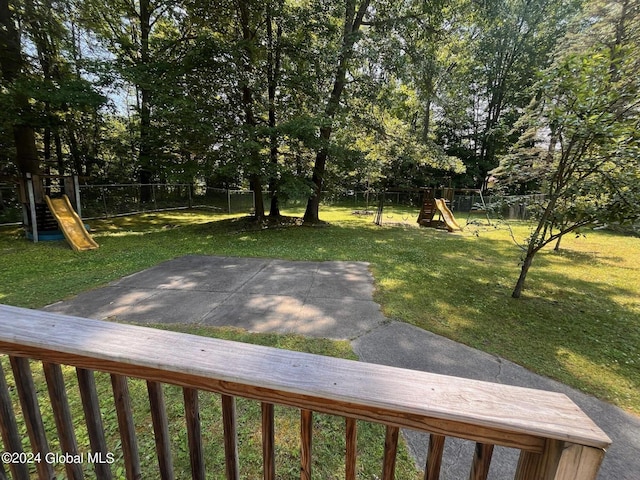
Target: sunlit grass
[[582, 302]]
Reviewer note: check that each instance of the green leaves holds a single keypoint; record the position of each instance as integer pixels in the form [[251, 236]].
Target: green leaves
[[581, 142]]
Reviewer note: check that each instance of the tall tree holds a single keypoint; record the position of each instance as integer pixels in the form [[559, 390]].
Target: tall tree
[[581, 144], [127, 29], [353, 18], [515, 40], [13, 73]]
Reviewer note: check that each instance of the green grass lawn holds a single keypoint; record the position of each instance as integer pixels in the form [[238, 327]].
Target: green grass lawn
[[578, 321]]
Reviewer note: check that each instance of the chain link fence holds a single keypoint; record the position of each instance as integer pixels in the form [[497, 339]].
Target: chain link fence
[[99, 201], [108, 200]]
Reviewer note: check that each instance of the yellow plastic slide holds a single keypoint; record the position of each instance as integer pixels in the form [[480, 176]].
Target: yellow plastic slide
[[71, 224], [447, 216]]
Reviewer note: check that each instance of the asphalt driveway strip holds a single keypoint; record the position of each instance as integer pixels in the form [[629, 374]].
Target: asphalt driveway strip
[[334, 300]]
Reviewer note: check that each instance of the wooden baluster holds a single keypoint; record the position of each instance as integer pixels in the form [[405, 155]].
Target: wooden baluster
[[194, 437], [31, 412], [160, 429], [481, 461], [390, 450], [230, 437], [306, 440], [536, 466], [268, 442], [9, 429], [351, 453], [93, 420], [62, 416], [434, 457], [126, 426]]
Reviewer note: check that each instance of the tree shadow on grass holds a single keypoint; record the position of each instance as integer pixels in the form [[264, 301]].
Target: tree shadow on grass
[[568, 328]]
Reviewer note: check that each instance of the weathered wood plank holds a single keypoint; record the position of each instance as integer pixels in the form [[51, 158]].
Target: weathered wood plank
[[390, 451], [160, 430], [126, 426], [9, 430], [93, 420], [62, 417], [194, 435], [434, 457], [268, 442], [481, 411], [481, 462], [306, 441], [351, 453], [230, 437], [31, 412]]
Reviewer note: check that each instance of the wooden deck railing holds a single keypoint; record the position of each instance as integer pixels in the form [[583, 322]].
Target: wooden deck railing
[[556, 439]]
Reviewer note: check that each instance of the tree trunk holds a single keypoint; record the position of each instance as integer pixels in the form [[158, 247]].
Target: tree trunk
[[313, 204], [273, 74], [352, 24], [557, 247], [26, 152], [24, 136], [517, 291], [248, 37], [256, 186], [144, 154], [59, 155]]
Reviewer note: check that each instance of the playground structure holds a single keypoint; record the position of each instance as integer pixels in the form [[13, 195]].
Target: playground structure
[[432, 205], [440, 201], [434, 201], [47, 210]]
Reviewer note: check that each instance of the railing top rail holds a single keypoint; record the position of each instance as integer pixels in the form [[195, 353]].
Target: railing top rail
[[487, 412]]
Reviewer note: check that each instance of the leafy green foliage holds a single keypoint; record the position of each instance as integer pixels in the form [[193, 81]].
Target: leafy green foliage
[[580, 140]]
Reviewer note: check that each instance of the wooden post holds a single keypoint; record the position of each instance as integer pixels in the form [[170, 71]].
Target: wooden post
[[126, 426], [390, 450], [434, 457], [268, 442], [306, 439], [540, 466], [31, 411], [230, 437], [62, 417], [481, 461], [32, 208], [194, 437], [9, 430], [351, 453], [93, 420], [161, 430], [579, 462]]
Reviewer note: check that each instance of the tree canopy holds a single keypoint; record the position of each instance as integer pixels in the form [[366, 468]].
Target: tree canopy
[[580, 143], [304, 96]]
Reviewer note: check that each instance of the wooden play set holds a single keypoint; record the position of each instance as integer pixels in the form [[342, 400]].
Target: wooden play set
[[434, 201], [51, 210]]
